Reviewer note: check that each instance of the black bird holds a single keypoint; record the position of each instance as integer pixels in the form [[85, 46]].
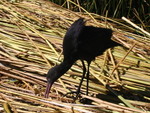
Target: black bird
[[80, 43]]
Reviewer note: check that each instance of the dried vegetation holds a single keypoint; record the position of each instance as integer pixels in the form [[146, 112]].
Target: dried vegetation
[[31, 34]]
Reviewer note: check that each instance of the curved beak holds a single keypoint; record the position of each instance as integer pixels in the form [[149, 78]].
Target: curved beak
[[48, 88]]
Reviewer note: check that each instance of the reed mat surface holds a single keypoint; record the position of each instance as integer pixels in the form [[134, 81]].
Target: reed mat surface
[[31, 35]]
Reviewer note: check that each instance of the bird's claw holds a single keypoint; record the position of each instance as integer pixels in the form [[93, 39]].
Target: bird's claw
[[75, 95], [72, 94]]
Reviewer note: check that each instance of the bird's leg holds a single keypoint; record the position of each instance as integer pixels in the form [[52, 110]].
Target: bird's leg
[[85, 100], [79, 87], [87, 83], [83, 76]]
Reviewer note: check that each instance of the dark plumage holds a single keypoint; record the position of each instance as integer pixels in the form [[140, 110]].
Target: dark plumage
[[80, 43]]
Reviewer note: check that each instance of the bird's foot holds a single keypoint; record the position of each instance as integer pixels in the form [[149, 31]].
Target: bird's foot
[[85, 101], [73, 94]]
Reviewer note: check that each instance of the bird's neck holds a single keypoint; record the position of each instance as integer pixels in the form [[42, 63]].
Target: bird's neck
[[64, 66]]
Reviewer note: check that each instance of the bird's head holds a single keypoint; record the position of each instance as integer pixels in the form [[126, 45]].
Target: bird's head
[[52, 76], [56, 72]]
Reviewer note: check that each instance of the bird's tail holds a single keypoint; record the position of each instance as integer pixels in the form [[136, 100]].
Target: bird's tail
[[76, 27]]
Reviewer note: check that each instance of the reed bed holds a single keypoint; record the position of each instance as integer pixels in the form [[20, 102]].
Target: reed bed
[[31, 34]]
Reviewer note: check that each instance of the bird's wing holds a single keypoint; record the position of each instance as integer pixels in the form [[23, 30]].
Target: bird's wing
[[92, 40], [73, 33]]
